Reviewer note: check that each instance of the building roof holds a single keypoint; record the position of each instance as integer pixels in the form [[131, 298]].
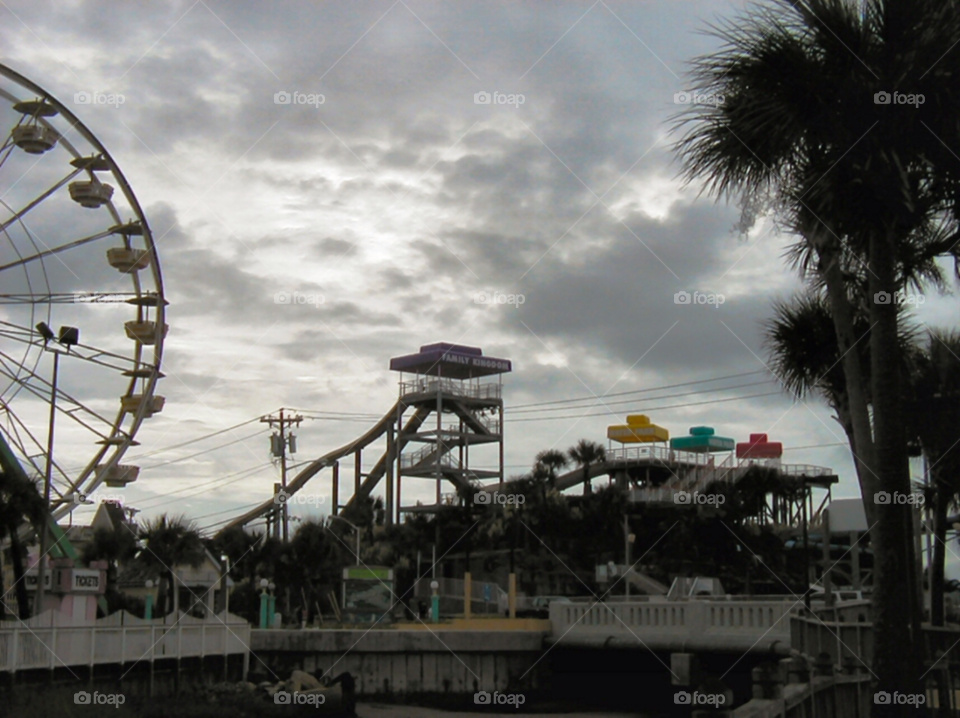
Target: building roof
[[450, 360]]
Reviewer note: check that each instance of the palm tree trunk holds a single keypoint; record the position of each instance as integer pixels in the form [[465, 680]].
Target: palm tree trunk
[[828, 252], [162, 596], [896, 661], [3, 593], [942, 499], [16, 558]]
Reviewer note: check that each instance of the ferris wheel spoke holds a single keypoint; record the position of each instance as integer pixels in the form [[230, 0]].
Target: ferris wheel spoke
[[42, 391], [38, 452], [17, 216], [80, 351], [56, 250], [70, 298]]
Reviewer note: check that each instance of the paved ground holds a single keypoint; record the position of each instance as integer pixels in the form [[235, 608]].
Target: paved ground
[[379, 710]]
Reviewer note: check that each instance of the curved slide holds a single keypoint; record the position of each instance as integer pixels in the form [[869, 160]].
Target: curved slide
[[314, 467]]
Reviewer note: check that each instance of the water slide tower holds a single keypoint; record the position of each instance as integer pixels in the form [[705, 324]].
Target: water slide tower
[[462, 388]]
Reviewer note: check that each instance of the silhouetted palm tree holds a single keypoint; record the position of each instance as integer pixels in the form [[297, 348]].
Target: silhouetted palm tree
[[20, 505], [803, 127], [934, 416], [169, 542], [585, 453]]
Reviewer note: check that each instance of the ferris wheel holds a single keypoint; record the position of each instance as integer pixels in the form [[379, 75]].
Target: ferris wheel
[[80, 289]]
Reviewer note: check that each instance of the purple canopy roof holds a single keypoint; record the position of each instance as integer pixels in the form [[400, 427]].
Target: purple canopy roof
[[450, 360]]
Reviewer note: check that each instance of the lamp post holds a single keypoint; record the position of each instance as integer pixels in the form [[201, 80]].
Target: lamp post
[[263, 602], [435, 602], [69, 336], [226, 587], [148, 601], [356, 530], [631, 538], [271, 605]]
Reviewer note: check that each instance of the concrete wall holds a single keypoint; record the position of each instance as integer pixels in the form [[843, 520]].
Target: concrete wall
[[391, 662]]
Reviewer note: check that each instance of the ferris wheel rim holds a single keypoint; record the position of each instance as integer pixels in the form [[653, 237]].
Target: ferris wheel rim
[[91, 476]]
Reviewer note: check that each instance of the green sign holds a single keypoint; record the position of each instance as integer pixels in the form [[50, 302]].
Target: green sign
[[364, 573]]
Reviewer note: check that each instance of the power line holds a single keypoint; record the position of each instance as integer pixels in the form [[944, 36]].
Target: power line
[[652, 408], [600, 400], [644, 391], [205, 451], [228, 478], [194, 441]]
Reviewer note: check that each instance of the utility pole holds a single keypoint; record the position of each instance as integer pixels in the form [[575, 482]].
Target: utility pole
[[280, 442]]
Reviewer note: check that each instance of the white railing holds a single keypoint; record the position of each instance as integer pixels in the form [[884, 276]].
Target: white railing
[[118, 639], [489, 390], [717, 618]]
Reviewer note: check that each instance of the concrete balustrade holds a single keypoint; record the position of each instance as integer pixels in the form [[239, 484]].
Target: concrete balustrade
[[709, 625], [48, 643]]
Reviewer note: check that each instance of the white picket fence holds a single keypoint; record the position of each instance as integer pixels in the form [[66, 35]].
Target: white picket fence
[[46, 641]]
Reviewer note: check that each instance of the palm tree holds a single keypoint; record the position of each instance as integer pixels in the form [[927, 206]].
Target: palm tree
[[169, 542], [934, 413], [550, 461], [116, 546], [586, 453], [20, 504], [546, 465], [803, 129]]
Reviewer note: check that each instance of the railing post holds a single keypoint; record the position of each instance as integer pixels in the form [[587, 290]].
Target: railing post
[[794, 670], [767, 682]]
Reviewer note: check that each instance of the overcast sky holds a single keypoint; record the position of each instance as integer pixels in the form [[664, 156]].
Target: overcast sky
[[399, 198]]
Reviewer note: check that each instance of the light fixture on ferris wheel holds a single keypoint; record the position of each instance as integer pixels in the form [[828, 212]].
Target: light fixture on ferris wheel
[[69, 336]]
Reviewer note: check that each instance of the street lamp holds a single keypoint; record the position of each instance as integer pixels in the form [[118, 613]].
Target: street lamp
[[631, 539], [272, 604], [69, 336], [356, 530], [226, 579], [264, 583], [148, 601], [435, 602]]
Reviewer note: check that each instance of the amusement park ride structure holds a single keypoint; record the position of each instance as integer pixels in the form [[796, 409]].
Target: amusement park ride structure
[[462, 389]]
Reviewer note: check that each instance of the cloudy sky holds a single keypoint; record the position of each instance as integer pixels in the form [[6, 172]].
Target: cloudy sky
[[386, 189]]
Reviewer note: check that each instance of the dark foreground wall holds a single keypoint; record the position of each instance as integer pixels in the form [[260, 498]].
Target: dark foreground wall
[[163, 678], [406, 663]]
